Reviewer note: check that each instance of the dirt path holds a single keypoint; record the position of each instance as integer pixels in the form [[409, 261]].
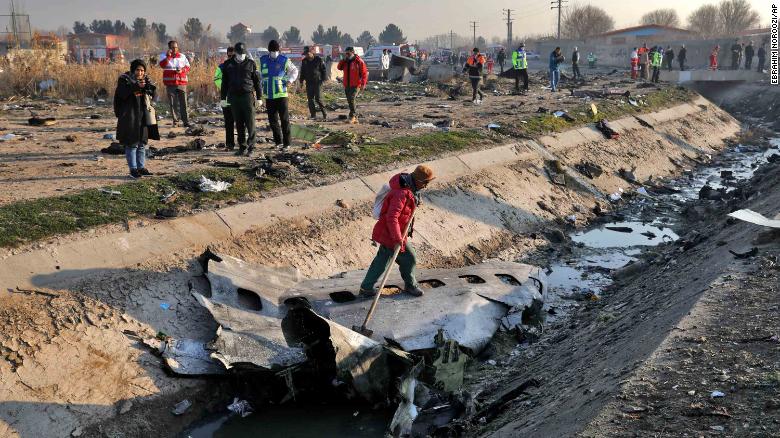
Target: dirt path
[[645, 359]]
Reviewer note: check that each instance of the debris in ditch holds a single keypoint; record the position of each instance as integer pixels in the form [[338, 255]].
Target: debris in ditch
[[620, 229], [589, 169], [111, 192], [208, 185], [181, 407], [7, 137], [423, 125], [745, 255], [609, 133], [71, 138], [240, 407], [644, 123], [628, 175], [341, 203], [755, 218], [717, 394]]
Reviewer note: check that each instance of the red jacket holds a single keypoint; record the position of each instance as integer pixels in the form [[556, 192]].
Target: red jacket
[[357, 74], [170, 77], [396, 213]]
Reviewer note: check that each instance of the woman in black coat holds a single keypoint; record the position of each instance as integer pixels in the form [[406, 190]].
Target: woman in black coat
[[132, 107]]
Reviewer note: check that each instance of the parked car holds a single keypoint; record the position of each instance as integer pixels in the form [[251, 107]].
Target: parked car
[[533, 55]]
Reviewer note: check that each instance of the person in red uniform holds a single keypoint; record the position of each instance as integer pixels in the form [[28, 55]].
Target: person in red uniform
[[397, 208]]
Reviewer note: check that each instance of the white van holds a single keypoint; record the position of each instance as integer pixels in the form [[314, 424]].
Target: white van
[[373, 57]]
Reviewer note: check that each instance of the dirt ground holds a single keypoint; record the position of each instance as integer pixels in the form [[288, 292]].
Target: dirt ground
[[91, 328], [65, 158]]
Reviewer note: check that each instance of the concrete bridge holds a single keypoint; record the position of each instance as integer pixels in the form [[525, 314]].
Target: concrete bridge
[[712, 76]]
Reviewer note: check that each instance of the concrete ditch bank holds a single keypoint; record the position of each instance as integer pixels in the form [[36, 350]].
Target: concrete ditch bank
[[504, 185], [141, 281]]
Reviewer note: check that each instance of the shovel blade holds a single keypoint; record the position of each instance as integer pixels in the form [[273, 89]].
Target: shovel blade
[[363, 330]]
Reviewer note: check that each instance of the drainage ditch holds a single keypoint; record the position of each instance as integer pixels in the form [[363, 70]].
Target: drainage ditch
[[597, 255]]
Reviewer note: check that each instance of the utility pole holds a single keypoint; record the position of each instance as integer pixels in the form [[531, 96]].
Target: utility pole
[[452, 38], [474, 28], [508, 13], [558, 4]]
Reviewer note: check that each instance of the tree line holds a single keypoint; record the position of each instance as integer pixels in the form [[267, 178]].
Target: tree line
[[196, 33], [712, 20]]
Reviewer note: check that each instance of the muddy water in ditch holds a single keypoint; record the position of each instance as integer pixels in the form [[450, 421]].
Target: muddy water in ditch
[[584, 274], [614, 245]]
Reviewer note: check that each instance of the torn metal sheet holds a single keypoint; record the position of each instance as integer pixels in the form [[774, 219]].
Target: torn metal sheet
[[246, 337], [367, 368], [189, 357], [239, 284], [755, 218], [467, 304]]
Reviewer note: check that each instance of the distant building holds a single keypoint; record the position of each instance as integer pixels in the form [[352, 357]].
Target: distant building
[[97, 47], [650, 34]]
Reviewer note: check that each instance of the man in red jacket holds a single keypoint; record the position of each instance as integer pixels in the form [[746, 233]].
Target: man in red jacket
[[175, 68], [397, 208], [355, 78]]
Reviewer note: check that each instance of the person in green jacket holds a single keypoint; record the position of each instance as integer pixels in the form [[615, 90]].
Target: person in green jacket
[[591, 60], [656, 60], [227, 113]]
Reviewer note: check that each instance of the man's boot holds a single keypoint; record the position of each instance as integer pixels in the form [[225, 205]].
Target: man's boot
[[324, 115], [241, 150], [415, 291]]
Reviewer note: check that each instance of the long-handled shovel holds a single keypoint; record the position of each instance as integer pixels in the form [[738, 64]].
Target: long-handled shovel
[[362, 329]]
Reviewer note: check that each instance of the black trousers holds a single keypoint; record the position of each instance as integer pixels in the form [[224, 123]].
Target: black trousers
[[748, 63], [314, 95], [575, 68], [669, 64], [243, 108], [351, 93], [278, 109], [761, 62], [682, 64], [475, 88], [230, 132], [521, 74], [656, 73]]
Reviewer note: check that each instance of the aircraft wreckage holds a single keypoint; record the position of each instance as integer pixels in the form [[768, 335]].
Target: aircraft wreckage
[[295, 330]]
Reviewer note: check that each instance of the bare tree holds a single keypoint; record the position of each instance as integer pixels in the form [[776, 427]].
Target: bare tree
[[664, 17], [582, 21], [705, 21], [737, 15]]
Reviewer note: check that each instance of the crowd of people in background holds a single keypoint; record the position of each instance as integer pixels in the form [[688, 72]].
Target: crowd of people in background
[[246, 85]]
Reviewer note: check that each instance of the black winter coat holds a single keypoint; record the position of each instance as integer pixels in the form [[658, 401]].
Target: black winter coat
[[313, 72], [239, 78], [130, 110]]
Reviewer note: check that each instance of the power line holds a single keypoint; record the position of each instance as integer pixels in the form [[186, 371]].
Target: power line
[[559, 7], [508, 13], [474, 28]]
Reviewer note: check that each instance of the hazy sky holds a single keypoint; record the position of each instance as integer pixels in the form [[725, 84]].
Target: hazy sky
[[417, 19]]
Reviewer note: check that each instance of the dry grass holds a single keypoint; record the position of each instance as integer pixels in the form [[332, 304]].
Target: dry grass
[[22, 77]]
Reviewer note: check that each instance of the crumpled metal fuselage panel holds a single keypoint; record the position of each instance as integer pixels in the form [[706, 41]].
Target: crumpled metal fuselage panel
[[245, 337], [467, 304], [230, 274]]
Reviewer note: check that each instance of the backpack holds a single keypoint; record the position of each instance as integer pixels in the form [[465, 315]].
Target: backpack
[[379, 201]]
